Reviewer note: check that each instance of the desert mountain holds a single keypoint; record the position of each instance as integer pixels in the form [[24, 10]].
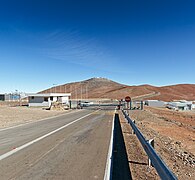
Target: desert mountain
[[105, 88]]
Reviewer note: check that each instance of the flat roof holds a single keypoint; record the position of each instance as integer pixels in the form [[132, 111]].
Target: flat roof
[[49, 94]]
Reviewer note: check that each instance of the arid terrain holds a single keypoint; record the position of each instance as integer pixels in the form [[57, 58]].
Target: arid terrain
[[11, 116], [174, 136], [105, 88], [172, 131]]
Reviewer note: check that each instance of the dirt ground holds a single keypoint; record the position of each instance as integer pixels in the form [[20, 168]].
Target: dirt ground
[[11, 116], [178, 125], [172, 131], [174, 135], [138, 161]]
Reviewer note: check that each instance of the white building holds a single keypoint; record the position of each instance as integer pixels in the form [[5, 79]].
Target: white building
[[193, 105], [155, 103], [180, 105], [45, 100]]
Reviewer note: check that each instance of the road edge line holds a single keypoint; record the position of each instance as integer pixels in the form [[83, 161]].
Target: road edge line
[[9, 153], [108, 169]]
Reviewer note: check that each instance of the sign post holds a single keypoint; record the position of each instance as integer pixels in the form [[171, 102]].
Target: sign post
[[128, 100]]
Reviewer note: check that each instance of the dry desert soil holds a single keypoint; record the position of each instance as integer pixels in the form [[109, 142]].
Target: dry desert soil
[[172, 131], [12, 116], [174, 136]]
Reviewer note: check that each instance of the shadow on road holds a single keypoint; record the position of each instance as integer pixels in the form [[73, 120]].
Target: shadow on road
[[121, 170]]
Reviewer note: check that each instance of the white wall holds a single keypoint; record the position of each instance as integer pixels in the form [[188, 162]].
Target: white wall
[[155, 103], [55, 99], [38, 101], [65, 100]]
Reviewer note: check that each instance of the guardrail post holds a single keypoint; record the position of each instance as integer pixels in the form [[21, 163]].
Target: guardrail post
[[142, 105], [126, 111], [133, 132], [151, 142]]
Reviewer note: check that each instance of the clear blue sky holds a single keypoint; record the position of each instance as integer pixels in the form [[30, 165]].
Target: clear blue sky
[[46, 42]]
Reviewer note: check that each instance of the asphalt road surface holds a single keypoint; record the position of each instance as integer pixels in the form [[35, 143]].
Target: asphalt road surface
[[72, 146]]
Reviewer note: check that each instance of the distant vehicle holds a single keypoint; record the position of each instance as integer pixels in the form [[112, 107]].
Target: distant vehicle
[[86, 104], [66, 107]]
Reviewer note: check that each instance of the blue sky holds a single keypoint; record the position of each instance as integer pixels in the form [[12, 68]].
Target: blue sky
[[46, 42]]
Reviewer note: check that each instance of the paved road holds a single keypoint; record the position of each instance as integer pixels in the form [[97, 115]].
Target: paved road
[[72, 146]]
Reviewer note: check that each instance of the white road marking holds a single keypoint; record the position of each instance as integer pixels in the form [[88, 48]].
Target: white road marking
[[44, 119], [108, 169], [3, 156]]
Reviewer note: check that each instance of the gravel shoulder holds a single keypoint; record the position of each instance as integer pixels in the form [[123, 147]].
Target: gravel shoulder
[[138, 160], [12, 116], [174, 135]]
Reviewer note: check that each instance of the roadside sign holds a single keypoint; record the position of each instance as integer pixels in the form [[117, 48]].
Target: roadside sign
[[127, 99]]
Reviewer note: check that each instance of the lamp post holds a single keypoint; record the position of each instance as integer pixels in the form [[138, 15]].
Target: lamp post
[[81, 91], [76, 92], [86, 91], [54, 85]]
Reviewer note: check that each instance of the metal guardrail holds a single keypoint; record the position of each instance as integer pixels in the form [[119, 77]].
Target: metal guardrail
[[163, 171]]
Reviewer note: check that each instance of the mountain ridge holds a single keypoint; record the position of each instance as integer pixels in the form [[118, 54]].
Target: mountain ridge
[[105, 88]]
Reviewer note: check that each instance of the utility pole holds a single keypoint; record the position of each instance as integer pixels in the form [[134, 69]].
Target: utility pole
[[54, 86], [70, 89], [81, 90], [86, 91], [76, 92]]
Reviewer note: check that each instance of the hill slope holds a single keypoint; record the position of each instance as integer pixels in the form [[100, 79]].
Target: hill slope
[[105, 88], [91, 88]]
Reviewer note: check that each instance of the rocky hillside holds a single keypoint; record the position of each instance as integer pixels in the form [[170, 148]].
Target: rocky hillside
[[105, 88], [91, 88]]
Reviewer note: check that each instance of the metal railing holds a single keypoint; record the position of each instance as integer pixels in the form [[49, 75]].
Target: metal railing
[[162, 169]]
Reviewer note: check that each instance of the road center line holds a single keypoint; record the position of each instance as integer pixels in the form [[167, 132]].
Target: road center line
[[3, 156]]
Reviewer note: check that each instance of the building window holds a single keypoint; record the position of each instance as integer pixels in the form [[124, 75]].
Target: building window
[[51, 98], [46, 99], [32, 97]]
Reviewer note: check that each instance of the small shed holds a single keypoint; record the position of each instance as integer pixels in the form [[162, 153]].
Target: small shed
[[45, 100]]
